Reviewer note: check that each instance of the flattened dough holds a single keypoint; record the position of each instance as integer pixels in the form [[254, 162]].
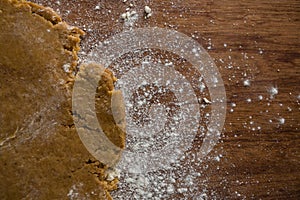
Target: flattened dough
[[41, 155]]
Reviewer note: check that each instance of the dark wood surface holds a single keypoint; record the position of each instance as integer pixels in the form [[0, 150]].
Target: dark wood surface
[[257, 40]]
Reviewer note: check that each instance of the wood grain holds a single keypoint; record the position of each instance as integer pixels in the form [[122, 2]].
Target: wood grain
[[257, 40]]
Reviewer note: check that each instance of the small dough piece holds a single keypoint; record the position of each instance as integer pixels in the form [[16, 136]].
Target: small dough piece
[[113, 127], [99, 113], [41, 155]]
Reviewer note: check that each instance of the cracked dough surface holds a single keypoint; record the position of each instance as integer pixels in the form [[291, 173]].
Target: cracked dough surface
[[41, 155]]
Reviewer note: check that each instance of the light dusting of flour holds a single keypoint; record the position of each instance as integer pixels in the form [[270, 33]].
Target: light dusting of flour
[[163, 108]]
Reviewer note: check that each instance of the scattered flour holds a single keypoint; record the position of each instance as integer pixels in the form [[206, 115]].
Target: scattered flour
[[247, 83], [273, 91], [281, 120], [129, 18]]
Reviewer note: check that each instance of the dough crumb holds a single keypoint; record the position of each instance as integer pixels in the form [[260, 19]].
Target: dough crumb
[[205, 100], [148, 12], [111, 174]]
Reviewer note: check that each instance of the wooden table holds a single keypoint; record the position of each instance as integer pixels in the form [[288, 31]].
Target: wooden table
[[258, 41]]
